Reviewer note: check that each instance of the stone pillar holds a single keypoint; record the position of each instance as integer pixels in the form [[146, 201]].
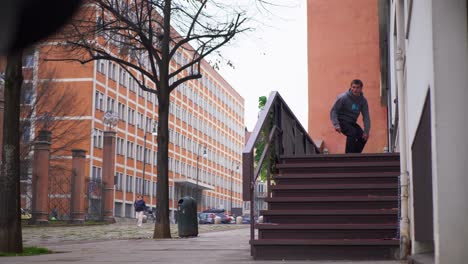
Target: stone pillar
[[40, 179], [108, 165], [78, 186]]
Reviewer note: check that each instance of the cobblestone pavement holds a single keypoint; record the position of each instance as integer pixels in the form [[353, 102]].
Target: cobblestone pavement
[[50, 235]]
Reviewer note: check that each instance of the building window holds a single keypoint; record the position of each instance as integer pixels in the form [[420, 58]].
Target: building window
[[137, 185], [27, 93], [99, 101], [110, 104], [140, 120], [131, 116], [97, 138], [120, 146], [121, 111], [129, 183], [113, 72], [101, 66], [25, 131], [96, 175], [155, 188], [129, 149], [141, 93], [118, 182], [147, 187]]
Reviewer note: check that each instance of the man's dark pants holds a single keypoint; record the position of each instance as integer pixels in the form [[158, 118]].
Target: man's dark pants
[[354, 141]]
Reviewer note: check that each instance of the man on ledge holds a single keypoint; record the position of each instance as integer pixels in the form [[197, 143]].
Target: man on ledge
[[345, 113]]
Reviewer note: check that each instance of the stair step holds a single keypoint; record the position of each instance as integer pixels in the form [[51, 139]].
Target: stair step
[[339, 206], [334, 202], [332, 186], [326, 226], [329, 216], [330, 212], [327, 231], [329, 249], [337, 178], [330, 167], [314, 190], [329, 242], [340, 157]]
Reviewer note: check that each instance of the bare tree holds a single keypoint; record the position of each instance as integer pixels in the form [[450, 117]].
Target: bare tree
[[143, 37], [49, 107], [10, 223]]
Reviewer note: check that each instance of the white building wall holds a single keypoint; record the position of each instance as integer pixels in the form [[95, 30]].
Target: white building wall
[[437, 60], [419, 77], [419, 65], [450, 130]]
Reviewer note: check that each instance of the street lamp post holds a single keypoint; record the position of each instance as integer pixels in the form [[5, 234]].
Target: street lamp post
[[198, 169], [232, 175], [154, 133]]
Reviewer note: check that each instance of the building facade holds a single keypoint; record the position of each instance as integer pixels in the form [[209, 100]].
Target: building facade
[[343, 44], [427, 47], [206, 133]]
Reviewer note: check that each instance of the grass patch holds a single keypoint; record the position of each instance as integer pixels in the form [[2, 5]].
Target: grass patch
[[27, 251], [62, 223]]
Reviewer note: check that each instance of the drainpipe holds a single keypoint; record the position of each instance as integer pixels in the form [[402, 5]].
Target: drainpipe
[[399, 61]]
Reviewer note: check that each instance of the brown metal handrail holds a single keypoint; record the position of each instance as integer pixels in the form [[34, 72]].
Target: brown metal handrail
[[288, 137]]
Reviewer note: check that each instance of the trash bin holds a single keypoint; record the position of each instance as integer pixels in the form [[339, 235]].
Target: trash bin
[[187, 222]]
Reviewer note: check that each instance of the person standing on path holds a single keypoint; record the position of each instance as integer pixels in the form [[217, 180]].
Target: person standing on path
[[140, 207], [344, 114]]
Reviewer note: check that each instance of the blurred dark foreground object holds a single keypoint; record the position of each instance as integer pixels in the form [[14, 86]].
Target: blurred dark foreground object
[[24, 22]]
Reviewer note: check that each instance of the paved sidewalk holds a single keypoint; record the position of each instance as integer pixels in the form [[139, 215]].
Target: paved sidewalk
[[209, 248], [51, 235]]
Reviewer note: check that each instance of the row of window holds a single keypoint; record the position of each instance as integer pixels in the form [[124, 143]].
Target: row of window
[[134, 184], [126, 80], [207, 177], [216, 90], [186, 143], [205, 127], [146, 122], [130, 180], [174, 165], [206, 104], [187, 91]]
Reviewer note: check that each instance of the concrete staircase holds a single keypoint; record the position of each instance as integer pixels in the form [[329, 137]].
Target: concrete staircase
[[331, 207]]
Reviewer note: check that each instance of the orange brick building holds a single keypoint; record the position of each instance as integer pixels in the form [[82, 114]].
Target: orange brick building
[[206, 116], [343, 44]]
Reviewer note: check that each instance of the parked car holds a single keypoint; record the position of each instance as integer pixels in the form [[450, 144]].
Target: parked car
[[225, 219], [206, 218], [246, 219]]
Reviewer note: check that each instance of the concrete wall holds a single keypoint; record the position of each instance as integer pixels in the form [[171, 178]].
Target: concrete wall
[[419, 64], [437, 59], [343, 44], [450, 126]]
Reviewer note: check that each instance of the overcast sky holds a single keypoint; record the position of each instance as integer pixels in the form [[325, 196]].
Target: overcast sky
[[271, 58]]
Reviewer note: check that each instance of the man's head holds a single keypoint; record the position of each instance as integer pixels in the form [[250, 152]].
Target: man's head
[[139, 197], [356, 87]]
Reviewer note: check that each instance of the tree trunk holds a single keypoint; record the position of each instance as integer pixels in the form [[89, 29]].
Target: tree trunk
[[162, 228], [162, 225], [10, 203]]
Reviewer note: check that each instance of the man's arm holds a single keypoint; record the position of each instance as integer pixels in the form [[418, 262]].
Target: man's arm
[[334, 113]]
